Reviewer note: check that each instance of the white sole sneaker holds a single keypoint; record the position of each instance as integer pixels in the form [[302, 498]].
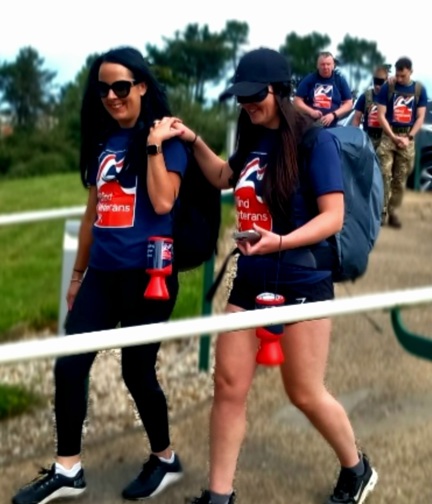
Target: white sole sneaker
[[168, 480], [369, 487], [64, 492]]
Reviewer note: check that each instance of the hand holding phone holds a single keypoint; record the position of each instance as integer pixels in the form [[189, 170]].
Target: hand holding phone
[[250, 235]]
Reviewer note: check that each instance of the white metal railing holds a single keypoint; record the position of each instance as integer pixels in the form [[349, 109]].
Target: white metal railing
[[40, 215], [55, 213], [186, 328]]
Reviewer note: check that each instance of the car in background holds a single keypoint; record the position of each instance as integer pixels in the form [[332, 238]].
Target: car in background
[[423, 142]]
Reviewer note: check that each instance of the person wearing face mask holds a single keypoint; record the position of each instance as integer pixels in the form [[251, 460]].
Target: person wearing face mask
[[366, 107], [132, 166], [288, 208], [401, 112], [324, 95]]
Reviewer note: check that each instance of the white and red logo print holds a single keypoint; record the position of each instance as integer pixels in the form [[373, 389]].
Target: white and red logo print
[[403, 109], [116, 204], [251, 208], [373, 116], [323, 96]]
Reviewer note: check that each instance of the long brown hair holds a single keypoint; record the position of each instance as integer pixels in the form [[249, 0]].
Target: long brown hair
[[282, 174]]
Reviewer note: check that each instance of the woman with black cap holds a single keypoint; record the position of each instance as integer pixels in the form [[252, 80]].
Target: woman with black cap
[[285, 253]]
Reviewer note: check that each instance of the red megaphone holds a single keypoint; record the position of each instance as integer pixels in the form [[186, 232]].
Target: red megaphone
[[270, 351], [159, 260]]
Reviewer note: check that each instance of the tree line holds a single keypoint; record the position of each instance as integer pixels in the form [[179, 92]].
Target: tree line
[[41, 132]]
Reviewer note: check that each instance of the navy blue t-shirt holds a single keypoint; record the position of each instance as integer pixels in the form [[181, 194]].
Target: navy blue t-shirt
[[324, 94], [402, 106], [125, 216], [322, 175], [370, 116]]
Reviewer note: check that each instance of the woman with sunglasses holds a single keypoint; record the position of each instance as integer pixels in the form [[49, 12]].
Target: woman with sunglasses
[[132, 166], [292, 208]]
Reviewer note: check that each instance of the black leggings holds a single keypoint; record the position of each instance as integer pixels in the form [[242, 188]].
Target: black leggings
[[104, 300]]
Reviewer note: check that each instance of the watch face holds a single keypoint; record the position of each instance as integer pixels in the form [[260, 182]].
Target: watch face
[[152, 150]]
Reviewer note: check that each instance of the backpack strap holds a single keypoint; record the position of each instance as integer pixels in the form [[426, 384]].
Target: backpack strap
[[417, 90], [309, 136], [391, 90], [214, 287], [368, 99], [305, 148]]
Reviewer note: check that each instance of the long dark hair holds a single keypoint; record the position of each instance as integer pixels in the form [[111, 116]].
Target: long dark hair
[[97, 124], [282, 174]]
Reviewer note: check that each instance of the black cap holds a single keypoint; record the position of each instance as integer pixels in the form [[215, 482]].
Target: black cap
[[256, 70]]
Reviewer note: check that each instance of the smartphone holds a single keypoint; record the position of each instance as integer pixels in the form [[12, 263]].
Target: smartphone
[[250, 235]]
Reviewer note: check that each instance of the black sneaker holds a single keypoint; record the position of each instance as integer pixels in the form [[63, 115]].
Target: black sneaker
[[204, 498], [394, 221], [352, 489], [155, 476], [49, 486]]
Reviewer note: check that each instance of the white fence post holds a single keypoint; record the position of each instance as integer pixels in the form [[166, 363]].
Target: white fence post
[[70, 246], [231, 137]]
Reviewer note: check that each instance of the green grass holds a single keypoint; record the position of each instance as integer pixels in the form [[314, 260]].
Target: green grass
[[39, 193], [15, 400], [31, 256]]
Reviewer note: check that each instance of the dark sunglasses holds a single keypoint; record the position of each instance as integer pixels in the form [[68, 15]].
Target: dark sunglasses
[[255, 98], [378, 81], [121, 88]]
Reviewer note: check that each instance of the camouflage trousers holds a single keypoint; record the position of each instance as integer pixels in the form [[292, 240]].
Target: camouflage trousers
[[375, 142], [396, 166]]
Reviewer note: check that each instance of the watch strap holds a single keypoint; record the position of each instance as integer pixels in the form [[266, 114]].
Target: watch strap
[[153, 149]]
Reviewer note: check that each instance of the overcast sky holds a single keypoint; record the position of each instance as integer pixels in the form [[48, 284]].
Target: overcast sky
[[65, 33]]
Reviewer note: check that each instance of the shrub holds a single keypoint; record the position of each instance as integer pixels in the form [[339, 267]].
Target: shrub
[[15, 400], [41, 164]]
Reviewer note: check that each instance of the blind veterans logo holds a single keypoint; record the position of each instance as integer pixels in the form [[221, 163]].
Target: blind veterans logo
[[116, 204], [373, 116], [167, 251], [248, 195], [403, 109], [323, 96]]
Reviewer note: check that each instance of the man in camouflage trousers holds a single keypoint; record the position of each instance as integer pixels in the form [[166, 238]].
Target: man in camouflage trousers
[[366, 108], [401, 112]]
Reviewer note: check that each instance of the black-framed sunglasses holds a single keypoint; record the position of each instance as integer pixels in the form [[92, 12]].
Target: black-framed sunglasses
[[121, 88], [255, 98], [378, 81]]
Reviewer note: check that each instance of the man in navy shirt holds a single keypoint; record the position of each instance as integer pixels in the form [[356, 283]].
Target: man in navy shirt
[[324, 95], [401, 112]]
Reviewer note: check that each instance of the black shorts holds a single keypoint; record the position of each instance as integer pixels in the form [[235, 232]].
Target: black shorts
[[298, 284]]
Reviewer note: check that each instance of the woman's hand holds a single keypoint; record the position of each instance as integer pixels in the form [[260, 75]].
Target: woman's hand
[[74, 286], [186, 133], [268, 243], [163, 129]]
